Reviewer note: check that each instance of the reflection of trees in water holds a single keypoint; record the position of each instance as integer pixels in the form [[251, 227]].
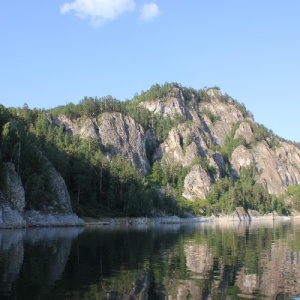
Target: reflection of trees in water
[[32, 260], [11, 257], [182, 262], [166, 262]]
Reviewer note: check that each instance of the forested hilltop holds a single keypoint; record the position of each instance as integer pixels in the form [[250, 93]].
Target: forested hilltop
[[168, 150]]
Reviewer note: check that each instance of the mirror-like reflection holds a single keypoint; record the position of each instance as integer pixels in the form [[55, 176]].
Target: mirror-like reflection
[[195, 261]]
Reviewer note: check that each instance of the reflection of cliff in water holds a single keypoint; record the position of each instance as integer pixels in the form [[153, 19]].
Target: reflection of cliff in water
[[195, 261], [269, 267], [11, 257], [32, 260]]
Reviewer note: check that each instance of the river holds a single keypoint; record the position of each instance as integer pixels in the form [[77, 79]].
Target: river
[[260, 260]]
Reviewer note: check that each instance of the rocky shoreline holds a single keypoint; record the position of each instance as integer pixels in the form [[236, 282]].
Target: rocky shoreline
[[10, 218], [239, 215], [176, 220]]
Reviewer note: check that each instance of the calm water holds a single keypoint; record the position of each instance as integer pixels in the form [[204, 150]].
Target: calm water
[[202, 261]]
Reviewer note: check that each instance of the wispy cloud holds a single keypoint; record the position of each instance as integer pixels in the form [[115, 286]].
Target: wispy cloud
[[149, 11], [98, 11]]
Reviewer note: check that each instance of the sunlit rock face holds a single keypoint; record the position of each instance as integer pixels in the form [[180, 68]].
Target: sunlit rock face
[[121, 134], [171, 106], [244, 131], [226, 115], [197, 183], [205, 126], [241, 157], [276, 170], [118, 134]]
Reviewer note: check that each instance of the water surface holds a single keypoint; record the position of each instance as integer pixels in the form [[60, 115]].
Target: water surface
[[196, 261]]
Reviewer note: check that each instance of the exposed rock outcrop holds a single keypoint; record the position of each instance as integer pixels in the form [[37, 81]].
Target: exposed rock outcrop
[[241, 157], [171, 106], [206, 124], [14, 188], [12, 204], [225, 115], [62, 200], [197, 183], [184, 143], [117, 133], [244, 131], [86, 128], [276, 168], [10, 218], [121, 134]]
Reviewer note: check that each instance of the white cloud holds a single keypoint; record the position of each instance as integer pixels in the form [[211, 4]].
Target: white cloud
[[98, 11], [149, 11]]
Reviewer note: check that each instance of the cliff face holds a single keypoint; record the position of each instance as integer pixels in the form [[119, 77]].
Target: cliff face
[[116, 132], [12, 203], [208, 125], [59, 189], [121, 134], [15, 194], [205, 129]]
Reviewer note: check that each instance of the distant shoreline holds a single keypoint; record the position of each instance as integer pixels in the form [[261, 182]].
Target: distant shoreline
[[176, 220]]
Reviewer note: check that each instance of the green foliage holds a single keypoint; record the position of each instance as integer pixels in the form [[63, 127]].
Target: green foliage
[[89, 107], [228, 194], [156, 91], [232, 143], [260, 133], [205, 165], [213, 118], [294, 193]]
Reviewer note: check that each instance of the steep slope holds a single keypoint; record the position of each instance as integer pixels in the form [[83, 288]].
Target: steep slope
[[210, 135], [57, 212], [208, 126], [117, 134]]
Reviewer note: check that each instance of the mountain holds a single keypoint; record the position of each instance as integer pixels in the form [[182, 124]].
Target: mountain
[[167, 150]]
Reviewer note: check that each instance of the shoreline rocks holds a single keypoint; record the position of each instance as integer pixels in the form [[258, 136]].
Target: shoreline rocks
[[189, 220], [11, 219]]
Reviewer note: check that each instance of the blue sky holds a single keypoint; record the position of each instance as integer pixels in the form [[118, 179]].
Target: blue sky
[[58, 51]]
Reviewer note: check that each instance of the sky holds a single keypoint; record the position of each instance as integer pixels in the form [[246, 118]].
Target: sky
[[53, 52]]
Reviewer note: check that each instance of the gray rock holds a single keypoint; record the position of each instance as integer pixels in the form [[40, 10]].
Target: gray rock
[[197, 183], [121, 134], [40, 219], [241, 157], [10, 218], [244, 131], [59, 188], [14, 188]]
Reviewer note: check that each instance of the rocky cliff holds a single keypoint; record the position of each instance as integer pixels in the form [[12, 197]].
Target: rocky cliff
[[208, 123], [117, 134], [12, 203]]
